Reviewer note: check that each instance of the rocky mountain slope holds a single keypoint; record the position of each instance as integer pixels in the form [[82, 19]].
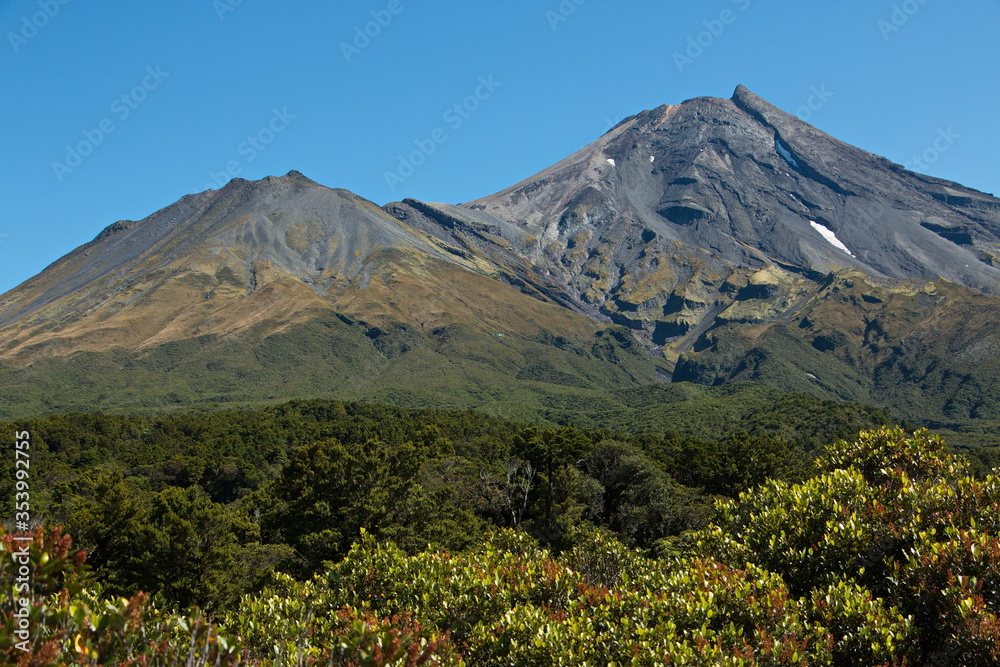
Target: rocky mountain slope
[[711, 241], [282, 288], [711, 227], [221, 262]]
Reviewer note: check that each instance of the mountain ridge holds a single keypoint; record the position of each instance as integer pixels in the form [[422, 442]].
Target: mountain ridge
[[714, 241]]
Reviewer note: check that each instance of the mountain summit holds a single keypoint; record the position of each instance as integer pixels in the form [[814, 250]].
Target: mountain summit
[[718, 229], [712, 241], [242, 235], [283, 288], [753, 186]]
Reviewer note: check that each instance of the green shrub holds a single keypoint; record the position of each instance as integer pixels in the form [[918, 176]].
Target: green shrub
[[67, 623]]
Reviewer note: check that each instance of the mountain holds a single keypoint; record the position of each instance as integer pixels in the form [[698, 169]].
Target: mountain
[[268, 253], [714, 241], [738, 242], [281, 288]]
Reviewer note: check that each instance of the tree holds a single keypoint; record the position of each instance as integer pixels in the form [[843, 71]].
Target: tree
[[176, 542], [325, 495], [554, 454], [641, 503], [190, 549], [330, 491]]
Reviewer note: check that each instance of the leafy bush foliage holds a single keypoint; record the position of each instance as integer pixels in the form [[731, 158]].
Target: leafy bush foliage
[[894, 514], [498, 607], [66, 623], [886, 555]]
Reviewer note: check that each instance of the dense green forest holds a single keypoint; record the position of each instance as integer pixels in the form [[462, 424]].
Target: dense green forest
[[355, 534]]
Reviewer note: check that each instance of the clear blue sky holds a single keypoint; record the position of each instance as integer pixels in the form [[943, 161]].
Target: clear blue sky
[[164, 96]]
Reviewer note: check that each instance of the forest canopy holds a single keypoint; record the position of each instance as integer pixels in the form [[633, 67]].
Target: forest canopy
[[353, 534]]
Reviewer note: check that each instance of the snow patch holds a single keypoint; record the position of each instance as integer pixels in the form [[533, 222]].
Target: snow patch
[[786, 154], [611, 161], [831, 238]]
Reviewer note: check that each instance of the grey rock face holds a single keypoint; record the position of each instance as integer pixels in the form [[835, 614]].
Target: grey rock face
[[743, 179], [320, 235], [662, 223]]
